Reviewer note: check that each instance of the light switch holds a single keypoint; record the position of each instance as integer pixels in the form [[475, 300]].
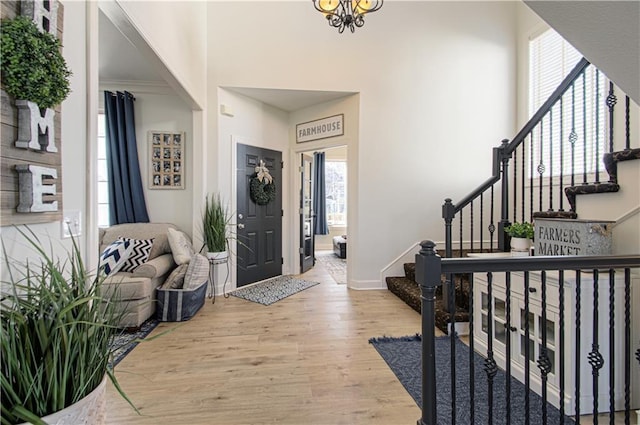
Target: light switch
[[71, 224]]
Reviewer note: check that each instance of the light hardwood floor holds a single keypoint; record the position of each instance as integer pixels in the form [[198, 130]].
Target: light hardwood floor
[[302, 360]]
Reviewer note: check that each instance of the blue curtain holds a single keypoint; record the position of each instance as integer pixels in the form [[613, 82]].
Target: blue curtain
[[126, 195], [320, 226]]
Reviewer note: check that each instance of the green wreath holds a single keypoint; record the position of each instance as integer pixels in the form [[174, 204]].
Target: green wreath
[[262, 192]]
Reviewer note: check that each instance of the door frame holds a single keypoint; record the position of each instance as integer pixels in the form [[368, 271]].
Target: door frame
[[294, 201]]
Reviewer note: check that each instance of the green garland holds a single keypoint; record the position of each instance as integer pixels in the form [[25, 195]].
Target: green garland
[[32, 66], [261, 192]]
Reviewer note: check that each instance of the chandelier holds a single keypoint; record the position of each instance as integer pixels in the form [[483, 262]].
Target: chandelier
[[343, 14]]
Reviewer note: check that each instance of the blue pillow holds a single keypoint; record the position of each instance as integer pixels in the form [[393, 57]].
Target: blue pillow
[[114, 256]]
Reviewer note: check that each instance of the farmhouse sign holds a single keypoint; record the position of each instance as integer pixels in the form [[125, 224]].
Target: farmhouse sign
[[320, 129], [572, 237]]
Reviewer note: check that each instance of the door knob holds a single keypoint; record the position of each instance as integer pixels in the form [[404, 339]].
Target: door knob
[[240, 216], [240, 226]]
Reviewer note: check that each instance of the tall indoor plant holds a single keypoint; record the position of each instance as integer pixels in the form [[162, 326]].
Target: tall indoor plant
[[216, 221], [55, 343]]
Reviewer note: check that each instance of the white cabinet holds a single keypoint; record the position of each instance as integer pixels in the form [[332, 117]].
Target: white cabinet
[[515, 332]]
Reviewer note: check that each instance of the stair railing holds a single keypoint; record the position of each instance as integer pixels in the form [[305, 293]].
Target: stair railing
[[530, 178]]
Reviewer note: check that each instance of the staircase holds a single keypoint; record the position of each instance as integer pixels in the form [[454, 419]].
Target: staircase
[[529, 181], [407, 289]]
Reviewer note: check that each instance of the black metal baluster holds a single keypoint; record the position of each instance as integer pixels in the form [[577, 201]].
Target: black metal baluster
[[595, 358], [561, 185], [527, 347], [544, 364], [577, 350], [471, 225], [551, 159], [611, 103], [490, 366], [508, 331], [627, 123], [460, 242], [561, 341], [531, 175], [482, 222], [573, 136], [541, 167], [515, 186], [584, 128], [612, 343], [522, 190], [472, 369], [492, 227], [627, 346], [452, 339], [597, 146]]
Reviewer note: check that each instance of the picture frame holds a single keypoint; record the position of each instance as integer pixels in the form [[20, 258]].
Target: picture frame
[[166, 159]]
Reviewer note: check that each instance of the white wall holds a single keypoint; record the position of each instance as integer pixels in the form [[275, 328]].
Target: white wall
[[73, 147], [176, 32], [432, 76]]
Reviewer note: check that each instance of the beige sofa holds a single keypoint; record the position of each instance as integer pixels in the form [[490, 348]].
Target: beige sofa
[[134, 293]]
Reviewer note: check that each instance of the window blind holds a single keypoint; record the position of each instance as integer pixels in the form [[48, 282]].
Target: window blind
[[581, 110]]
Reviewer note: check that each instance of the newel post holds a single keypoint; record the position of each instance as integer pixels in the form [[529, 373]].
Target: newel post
[[448, 213], [428, 270], [503, 240]]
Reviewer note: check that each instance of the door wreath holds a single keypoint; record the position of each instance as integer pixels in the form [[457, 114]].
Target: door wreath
[[262, 188]]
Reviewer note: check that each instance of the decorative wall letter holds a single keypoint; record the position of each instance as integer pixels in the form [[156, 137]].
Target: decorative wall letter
[[44, 13], [32, 189], [29, 122]]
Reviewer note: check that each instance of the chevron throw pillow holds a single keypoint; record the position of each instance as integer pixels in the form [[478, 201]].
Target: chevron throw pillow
[[113, 257], [139, 254]]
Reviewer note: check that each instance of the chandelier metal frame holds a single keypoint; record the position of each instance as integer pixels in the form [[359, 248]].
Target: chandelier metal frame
[[346, 13]]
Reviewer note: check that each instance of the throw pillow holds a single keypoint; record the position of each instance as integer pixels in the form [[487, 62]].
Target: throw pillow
[[180, 246], [197, 272], [176, 278], [139, 254], [114, 256]]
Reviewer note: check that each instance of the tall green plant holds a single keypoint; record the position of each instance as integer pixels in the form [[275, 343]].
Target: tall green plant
[[215, 221], [55, 335]]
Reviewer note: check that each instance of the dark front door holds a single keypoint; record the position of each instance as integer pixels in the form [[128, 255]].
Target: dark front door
[[259, 226], [306, 215]]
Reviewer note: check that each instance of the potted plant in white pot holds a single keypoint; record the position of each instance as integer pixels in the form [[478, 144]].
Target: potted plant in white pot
[[55, 342], [521, 235], [216, 220]]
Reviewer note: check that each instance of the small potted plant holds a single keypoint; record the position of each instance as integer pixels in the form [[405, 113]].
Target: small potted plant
[[216, 220], [521, 235], [56, 340]]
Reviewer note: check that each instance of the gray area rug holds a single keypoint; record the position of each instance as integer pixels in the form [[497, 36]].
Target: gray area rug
[[122, 343], [270, 291], [403, 355], [336, 266]]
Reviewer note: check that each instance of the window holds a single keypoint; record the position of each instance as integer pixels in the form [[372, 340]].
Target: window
[[551, 58], [103, 175], [335, 173]]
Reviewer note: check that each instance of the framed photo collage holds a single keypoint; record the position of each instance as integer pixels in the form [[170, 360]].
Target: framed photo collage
[[167, 155]]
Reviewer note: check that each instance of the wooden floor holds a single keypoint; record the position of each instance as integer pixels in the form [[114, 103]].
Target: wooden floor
[[302, 360]]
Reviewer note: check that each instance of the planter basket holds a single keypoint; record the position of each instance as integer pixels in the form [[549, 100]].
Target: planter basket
[[177, 305]]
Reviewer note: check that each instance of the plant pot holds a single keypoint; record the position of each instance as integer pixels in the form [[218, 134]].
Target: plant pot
[[87, 411], [520, 244], [218, 256]]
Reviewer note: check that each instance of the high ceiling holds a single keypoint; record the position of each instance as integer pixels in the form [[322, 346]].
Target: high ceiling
[[120, 62]]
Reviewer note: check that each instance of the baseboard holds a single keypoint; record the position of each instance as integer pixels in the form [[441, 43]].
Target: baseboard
[[366, 285]]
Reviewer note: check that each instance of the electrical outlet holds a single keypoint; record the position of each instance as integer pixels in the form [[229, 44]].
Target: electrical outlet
[[71, 224]]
